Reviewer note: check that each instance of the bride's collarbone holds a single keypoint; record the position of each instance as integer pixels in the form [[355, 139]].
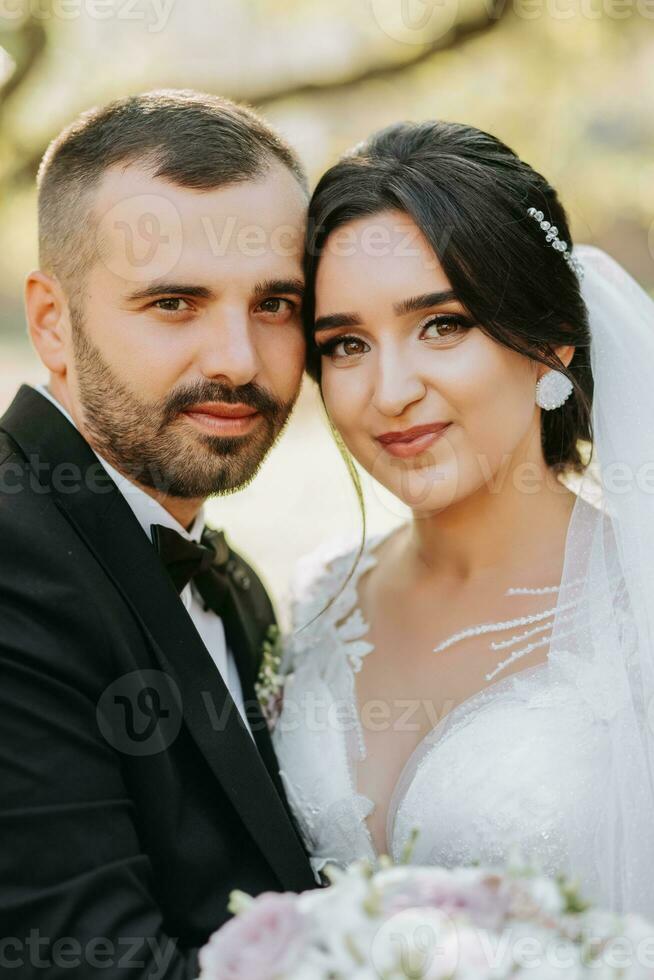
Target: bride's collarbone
[[426, 661]]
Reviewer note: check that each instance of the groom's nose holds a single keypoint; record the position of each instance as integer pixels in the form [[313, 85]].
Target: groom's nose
[[228, 348]]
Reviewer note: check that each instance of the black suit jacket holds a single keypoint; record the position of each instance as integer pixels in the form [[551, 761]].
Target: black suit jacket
[[132, 797]]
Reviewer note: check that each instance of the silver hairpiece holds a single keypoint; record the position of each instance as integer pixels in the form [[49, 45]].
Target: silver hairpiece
[[556, 242]]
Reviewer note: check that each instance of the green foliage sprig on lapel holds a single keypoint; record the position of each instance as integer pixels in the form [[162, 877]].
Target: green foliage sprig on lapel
[[269, 685]]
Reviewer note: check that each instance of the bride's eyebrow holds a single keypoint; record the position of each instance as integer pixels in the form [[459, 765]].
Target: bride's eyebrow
[[417, 303], [336, 320], [411, 305]]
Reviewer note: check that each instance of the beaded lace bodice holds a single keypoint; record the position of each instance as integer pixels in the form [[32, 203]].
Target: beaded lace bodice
[[496, 773]]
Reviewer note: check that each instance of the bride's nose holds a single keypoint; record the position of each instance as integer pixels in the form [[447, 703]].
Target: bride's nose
[[397, 383]]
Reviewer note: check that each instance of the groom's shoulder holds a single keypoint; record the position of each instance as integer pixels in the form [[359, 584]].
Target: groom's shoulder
[[16, 489], [48, 587], [19, 486], [33, 530], [7, 447]]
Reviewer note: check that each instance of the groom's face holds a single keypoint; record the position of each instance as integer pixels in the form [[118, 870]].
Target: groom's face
[[186, 346]]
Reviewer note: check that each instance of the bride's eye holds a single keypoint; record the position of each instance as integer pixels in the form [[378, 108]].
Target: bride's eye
[[445, 326], [343, 347]]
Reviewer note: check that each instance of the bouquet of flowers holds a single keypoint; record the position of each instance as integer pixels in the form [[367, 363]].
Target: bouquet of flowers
[[400, 922]]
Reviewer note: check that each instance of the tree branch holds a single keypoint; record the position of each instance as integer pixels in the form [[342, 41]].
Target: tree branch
[[456, 36], [33, 40]]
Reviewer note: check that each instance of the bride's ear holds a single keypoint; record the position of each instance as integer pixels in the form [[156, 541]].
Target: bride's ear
[[564, 354]]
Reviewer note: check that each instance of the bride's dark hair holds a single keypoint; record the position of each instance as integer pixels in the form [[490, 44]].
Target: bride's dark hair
[[469, 193]]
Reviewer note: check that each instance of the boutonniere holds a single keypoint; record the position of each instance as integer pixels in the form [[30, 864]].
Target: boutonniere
[[269, 685]]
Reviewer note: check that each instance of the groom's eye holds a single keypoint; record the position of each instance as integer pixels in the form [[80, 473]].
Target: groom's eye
[[276, 306], [170, 304]]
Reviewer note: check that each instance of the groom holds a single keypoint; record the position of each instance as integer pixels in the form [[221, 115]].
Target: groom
[[138, 784]]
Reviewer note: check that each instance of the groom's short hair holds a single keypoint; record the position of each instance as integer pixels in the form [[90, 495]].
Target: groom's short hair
[[190, 138]]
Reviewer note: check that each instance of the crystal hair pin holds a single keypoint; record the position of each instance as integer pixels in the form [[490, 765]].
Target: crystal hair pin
[[551, 236]]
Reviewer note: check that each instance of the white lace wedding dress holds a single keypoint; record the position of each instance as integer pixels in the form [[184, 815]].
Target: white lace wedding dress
[[501, 771]]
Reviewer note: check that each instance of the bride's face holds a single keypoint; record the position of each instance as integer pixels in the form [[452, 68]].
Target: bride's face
[[428, 404]]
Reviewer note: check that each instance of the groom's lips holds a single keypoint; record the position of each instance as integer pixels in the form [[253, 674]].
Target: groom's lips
[[221, 418]]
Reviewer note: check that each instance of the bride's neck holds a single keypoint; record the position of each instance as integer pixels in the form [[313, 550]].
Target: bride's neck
[[495, 527]]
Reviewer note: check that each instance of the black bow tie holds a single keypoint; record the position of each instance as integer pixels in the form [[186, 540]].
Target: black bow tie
[[206, 562], [209, 565]]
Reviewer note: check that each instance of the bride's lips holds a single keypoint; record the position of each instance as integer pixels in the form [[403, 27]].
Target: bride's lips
[[223, 419], [411, 442]]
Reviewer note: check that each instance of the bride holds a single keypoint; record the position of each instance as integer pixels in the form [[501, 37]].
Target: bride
[[481, 678]]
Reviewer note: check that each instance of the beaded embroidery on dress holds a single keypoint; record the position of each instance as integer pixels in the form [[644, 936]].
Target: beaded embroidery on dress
[[496, 773]]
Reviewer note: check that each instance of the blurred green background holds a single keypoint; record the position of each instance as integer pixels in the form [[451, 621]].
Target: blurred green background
[[569, 84]]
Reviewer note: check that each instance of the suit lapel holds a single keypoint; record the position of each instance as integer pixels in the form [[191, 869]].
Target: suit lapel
[[106, 523], [242, 635]]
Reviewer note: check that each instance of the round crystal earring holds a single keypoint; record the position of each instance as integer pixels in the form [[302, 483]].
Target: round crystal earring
[[553, 389]]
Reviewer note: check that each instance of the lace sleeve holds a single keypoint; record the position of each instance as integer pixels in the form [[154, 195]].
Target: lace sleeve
[[317, 578], [311, 586]]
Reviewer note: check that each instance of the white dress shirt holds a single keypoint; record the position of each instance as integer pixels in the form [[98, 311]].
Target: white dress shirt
[[149, 511]]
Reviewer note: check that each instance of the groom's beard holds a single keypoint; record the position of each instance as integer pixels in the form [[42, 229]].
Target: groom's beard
[[153, 445]]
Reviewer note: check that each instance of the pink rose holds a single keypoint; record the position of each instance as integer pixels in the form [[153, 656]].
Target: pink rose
[[259, 944]]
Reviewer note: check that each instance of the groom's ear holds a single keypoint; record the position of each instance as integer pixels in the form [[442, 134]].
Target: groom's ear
[[48, 320]]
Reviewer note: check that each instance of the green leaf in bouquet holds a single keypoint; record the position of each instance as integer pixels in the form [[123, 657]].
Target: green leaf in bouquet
[[569, 888], [407, 850], [239, 902]]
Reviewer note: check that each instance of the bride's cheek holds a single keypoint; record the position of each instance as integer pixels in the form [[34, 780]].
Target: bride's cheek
[[345, 400]]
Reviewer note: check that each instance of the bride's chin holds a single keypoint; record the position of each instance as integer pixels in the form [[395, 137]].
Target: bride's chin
[[424, 491]]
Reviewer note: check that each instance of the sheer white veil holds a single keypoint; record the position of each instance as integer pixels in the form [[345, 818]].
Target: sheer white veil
[[603, 635]]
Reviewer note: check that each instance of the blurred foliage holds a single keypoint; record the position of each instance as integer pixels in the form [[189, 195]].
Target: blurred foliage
[[569, 84]]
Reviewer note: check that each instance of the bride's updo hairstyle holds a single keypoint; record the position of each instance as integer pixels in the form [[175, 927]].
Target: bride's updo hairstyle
[[469, 194]]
